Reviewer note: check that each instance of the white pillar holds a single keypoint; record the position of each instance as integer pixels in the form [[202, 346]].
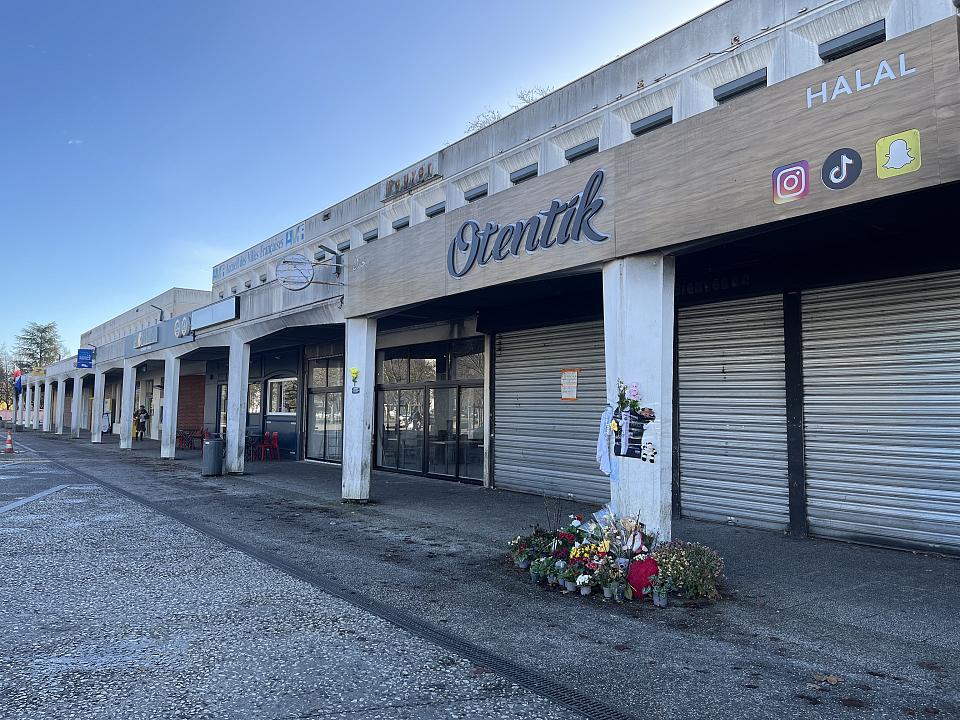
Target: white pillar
[[47, 402], [171, 396], [638, 348], [361, 346], [127, 398], [238, 376], [96, 430], [76, 406], [35, 417], [61, 403]]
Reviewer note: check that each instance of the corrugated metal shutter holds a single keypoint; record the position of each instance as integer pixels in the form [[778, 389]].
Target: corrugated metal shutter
[[882, 411], [732, 412], [543, 444]]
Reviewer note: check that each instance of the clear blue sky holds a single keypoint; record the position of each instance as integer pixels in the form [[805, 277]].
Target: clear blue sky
[[142, 143]]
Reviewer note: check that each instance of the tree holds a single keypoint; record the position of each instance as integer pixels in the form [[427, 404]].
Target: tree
[[38, 345], [6, 369], [524, 97]]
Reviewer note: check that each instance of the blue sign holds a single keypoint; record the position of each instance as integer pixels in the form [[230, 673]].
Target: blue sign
[[85, 358]]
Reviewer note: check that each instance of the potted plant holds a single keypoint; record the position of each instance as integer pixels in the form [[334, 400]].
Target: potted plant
[[660, 587], [569, 576], [540, 568], [585, 583]]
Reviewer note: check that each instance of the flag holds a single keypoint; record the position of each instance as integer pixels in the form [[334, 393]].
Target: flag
[[17, 380]]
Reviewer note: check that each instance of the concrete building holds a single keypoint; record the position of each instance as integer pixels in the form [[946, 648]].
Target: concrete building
[[743, 218]]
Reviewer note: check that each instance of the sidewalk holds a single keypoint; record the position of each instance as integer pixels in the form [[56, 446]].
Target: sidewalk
[[882, 621]]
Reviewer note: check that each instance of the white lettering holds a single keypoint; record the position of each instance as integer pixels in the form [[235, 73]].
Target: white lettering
[[903, 66], [884, 71], [811, 95], [860, 85], [842, 87]]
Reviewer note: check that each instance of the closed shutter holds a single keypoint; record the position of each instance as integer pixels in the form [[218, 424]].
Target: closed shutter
[[882, 411], [543, 444], [732, 412]]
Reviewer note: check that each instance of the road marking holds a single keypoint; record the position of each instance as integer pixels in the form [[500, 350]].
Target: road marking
[[38, 496]]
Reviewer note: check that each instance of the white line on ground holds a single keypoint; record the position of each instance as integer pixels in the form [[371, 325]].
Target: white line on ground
[[38, 496]]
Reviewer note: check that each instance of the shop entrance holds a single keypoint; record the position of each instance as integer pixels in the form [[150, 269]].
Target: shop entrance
[[430, 409], [325, 409]]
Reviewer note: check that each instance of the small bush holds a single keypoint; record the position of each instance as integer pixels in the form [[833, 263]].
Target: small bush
[[691, 569]]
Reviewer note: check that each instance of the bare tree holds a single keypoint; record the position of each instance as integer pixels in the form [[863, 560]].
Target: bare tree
[[6, 373], [524, 97], [38, 345]]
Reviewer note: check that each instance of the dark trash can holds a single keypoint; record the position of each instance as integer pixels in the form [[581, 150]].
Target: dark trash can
[[212, 462]]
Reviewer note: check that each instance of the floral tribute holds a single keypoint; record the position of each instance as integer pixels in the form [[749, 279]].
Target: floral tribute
[[619, 557]]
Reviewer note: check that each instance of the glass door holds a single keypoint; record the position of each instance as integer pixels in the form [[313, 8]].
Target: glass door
[[222, 410], [442, 437], [325, 409]]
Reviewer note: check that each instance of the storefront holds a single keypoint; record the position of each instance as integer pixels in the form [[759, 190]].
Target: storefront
[[430, 409]]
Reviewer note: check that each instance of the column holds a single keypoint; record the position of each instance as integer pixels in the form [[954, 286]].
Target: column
[[171, 397], [76, 406], [127, 398], [638, 348], [358, 399], [17, 405], [36, 405], [238, 376], [61, 402], [47, 402], [96, 431]]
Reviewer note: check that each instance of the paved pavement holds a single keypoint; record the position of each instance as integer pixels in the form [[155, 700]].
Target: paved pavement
[[880, 624]]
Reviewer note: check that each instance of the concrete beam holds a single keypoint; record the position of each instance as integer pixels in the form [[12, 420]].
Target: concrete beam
[[358, 399], [238, 376], [171, 398], [76, 407], [127, 399], [96, 427]]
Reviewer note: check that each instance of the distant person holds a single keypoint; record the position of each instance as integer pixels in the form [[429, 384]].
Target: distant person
[[140, 420]]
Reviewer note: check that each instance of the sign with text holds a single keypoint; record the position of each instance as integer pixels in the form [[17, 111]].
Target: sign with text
[[412, 178], [568, 383], [85, 358], [224, 311]]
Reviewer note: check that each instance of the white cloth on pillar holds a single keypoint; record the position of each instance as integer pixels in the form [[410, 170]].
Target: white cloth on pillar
[[603, 441]]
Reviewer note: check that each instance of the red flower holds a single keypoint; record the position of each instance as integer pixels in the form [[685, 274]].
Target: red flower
[[639, 574]]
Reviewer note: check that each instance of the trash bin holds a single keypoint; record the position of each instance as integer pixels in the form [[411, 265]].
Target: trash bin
[[212, 463]]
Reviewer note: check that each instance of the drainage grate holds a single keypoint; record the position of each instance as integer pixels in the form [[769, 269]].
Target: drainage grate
[[549, 688]]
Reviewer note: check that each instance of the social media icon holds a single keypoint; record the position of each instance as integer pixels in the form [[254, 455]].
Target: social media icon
[[898, 154], [841, 168], [791, 182]]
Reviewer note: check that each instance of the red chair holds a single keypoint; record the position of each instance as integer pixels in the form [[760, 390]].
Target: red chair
[[275, 446], [265, 446]]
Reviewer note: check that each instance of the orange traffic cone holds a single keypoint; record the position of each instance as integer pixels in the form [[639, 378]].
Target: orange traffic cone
[[8, 448]]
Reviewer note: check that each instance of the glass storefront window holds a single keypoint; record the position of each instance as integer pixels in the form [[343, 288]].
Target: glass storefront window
[[387, 440], [410, 428], [428, 363], [325, 409], [282, 396], [254, 391], [468, 360], [316, 437], [392, 368], [442, 439], [335, 372], [317, 374], [471, 432]]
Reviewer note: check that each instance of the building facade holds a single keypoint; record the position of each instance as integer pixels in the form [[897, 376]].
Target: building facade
[[748, 218]]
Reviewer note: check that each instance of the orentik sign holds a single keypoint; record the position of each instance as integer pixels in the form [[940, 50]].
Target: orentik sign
[[474, 245], [862, 79]]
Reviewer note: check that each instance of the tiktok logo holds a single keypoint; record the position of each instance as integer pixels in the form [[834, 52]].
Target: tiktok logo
[[841, 169]]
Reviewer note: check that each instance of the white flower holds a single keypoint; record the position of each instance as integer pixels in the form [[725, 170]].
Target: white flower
[[584, 579]]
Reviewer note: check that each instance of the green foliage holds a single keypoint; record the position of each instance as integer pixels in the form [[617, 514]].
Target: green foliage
[[691, 569]]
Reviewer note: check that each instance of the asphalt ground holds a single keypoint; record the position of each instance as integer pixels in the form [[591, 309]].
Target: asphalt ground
[[810, 629]]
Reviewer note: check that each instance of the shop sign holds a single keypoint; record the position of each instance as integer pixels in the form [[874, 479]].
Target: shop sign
[[181, 326], [473, 245], [220, 312], [85, 358], [289, 238], [861, 80], [147, 336], [412, 178]]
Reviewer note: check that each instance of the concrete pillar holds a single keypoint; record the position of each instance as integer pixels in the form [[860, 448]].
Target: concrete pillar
[[61, 403], [127, 398], [171, 397], [488, 350], [47, 402], [28, 408], [36, 405], [96, 430], [238, 376], [358, 399], [76, 407], [638, 348]]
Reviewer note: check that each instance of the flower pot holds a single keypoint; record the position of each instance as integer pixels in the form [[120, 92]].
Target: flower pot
[[552, 579], [535, 576], [659, 599], [609, 591], [569, 585], [523, 564], [586, 589], [618, 593]]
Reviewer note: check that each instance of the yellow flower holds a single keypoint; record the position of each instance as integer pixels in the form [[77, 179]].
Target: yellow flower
[[614, 426]]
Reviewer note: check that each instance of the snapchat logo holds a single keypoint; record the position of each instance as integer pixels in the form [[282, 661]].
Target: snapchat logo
[[898, 154]]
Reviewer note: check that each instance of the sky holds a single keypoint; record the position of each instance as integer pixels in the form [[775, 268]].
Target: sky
[[142, 143]]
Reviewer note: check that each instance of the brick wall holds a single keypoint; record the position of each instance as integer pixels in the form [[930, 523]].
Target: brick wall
[[190, 406]]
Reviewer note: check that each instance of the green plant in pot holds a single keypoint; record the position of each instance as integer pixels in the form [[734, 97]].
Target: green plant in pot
[[660, 586], [568, 576], [540, 568]]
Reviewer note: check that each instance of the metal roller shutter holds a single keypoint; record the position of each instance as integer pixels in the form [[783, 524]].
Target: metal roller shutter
[[882, 411], [543, 444], [732, 412]]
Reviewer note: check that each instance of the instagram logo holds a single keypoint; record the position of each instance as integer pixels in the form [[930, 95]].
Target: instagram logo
[[791, 182]]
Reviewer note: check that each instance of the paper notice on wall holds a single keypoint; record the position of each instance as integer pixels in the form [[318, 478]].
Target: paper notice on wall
[[568, 384]]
